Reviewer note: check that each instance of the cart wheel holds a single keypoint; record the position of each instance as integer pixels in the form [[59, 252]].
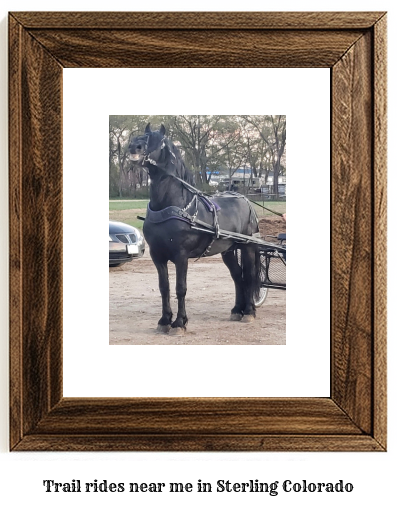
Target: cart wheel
[[263, 290]]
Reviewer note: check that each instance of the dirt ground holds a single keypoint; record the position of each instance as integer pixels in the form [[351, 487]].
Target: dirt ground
[[271, 226], [135, 306]]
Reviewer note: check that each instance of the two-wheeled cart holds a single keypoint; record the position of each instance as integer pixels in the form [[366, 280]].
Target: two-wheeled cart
[[273, 256]]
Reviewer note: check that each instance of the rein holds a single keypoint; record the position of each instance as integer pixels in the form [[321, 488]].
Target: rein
[[268, 209]]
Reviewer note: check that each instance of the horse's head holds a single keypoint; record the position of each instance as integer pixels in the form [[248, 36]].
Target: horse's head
[[155, 151], [147, 146]]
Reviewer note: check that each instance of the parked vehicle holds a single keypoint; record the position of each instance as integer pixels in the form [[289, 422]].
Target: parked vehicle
[[125, 243], [239, 184]]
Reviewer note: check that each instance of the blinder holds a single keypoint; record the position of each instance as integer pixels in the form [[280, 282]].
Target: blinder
[[146, 155]]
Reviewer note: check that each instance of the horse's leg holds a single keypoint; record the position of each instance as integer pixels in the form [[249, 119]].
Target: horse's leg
[[164, 323], [179, 325], [230, 259], [248, 258]]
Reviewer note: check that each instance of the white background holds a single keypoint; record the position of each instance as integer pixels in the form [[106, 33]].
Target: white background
[[21, 474], [303, 96]]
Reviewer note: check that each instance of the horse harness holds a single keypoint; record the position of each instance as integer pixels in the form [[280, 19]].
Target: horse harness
[[183, 214], [174, 212]]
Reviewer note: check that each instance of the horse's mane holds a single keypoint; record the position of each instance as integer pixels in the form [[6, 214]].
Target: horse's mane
[[181, 170]]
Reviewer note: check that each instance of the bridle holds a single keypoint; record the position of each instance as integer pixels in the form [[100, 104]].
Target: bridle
[[146, 155], [146, 158]]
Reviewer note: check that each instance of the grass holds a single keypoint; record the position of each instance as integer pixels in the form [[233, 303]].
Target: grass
[[128, 211], [138, 224], [122, 205]]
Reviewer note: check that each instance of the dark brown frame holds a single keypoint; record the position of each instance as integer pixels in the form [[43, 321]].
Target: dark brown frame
[[353, 46]]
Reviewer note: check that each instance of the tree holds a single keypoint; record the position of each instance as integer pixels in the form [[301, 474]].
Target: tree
[[121, 127], [273, 132], [203, 139], [208, 144]]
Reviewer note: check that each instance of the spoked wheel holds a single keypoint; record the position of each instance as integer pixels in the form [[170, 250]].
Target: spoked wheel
[[263, 290]]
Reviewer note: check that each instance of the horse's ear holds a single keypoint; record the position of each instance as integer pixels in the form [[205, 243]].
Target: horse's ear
[[147, 129], [162, 130]]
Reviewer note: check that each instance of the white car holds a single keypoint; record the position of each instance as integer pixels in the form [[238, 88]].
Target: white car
[[125, 243]]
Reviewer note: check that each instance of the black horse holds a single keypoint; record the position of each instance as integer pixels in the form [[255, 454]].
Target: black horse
[[175, 228]]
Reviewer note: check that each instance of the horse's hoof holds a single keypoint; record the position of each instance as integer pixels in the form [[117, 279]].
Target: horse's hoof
[[248, 318], [236, 316], [177, 331], [163, 329]]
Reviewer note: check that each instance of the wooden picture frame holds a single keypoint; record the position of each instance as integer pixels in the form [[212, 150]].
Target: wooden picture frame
[[353, 46]]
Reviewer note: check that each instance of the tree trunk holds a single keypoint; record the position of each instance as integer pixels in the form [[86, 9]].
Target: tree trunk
[[120, 168], [276, 170]]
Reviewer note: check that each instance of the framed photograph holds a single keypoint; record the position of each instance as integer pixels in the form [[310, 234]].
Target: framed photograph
[[225, 184], [353, 47]]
